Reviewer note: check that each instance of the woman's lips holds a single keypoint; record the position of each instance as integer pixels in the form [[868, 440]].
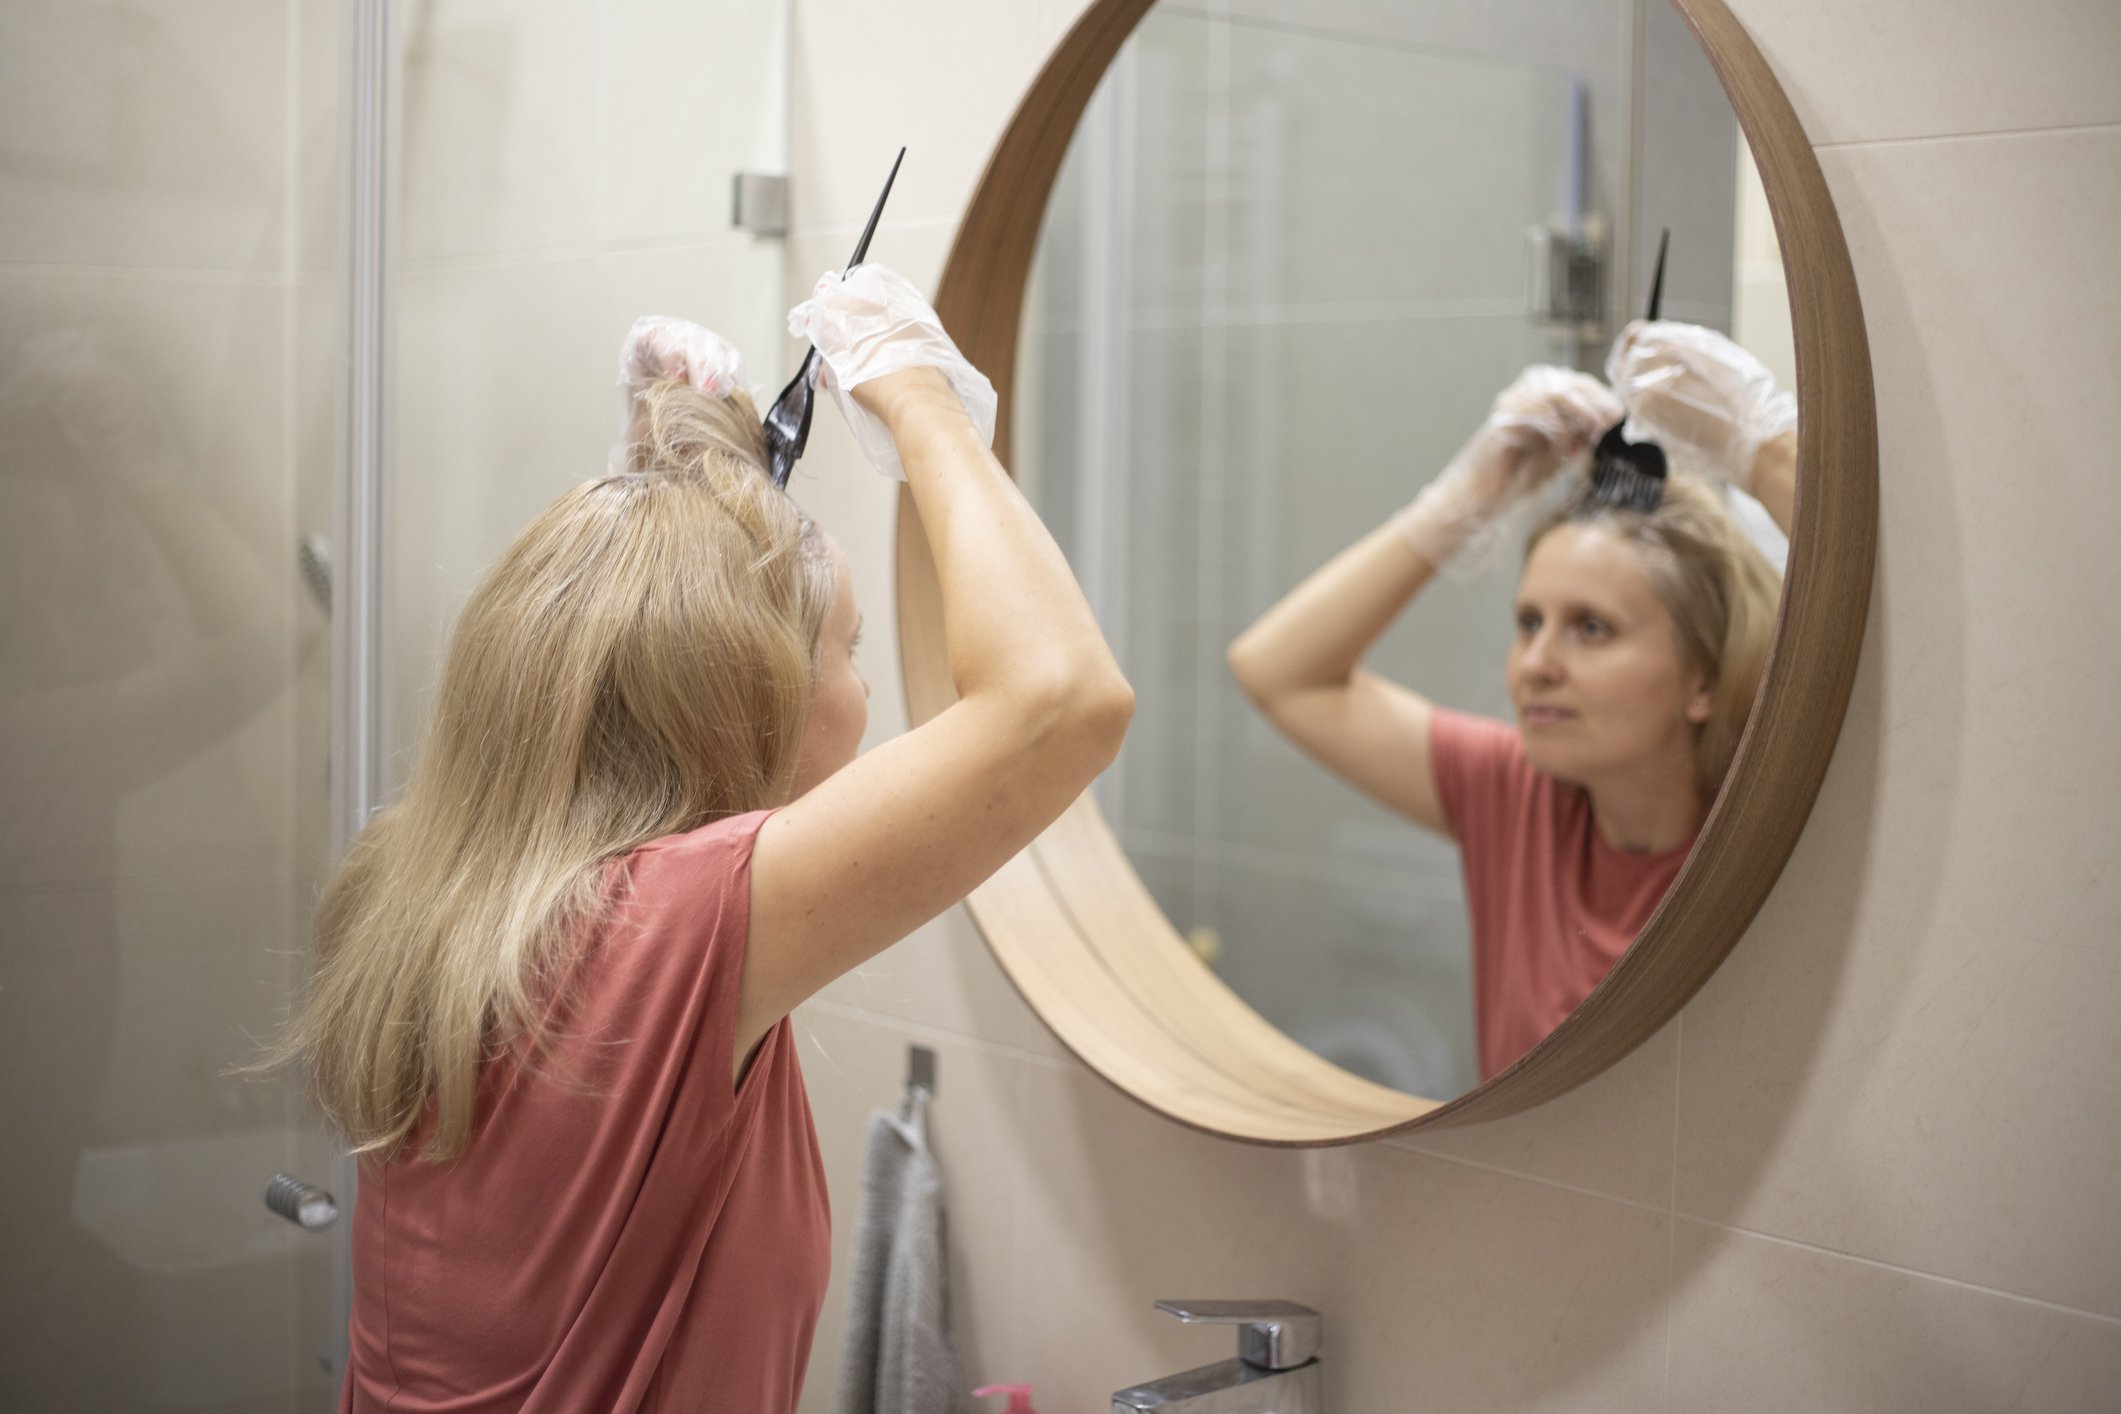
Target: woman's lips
[[1545, 716]]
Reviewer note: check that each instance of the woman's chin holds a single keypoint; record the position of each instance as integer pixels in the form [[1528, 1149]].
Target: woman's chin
[[1552, 759]]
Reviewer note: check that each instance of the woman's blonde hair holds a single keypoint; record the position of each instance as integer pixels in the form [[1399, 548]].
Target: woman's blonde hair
[[1719, 589], [640, 662]]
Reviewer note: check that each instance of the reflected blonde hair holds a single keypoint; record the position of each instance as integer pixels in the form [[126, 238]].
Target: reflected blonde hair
[[1719, 589], [640, 662]]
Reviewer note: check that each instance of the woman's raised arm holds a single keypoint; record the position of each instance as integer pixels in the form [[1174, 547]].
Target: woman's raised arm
[[908, 829], [1300, 663]]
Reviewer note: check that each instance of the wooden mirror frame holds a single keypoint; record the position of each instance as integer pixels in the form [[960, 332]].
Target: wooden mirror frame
[[1069, 919]]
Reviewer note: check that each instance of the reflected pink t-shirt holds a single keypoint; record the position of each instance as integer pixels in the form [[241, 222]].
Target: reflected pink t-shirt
[[1553, 905], [626, 1232]]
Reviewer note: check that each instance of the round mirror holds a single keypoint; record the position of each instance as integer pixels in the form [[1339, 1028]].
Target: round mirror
[[1452, 828]]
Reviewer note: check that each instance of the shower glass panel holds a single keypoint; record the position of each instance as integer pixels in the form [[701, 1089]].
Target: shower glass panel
[[172, 407], [167, 328], [1284, 273]]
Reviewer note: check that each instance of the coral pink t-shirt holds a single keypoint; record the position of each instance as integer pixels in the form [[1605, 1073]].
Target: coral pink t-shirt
[[627, 1231], [1553, 905]]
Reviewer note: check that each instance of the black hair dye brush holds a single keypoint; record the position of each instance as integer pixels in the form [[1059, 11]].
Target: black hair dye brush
[[1628, 475], [788, 420]]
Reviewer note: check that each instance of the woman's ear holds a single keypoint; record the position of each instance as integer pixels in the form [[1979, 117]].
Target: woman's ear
[[1702, 705]]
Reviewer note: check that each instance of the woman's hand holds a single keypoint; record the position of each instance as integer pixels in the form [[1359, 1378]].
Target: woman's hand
[[1701, 395], [660, 347], [895, 397], [871, 324], [1544, 421]]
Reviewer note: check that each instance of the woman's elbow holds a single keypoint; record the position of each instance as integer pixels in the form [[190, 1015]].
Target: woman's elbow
[[1102, 705], [1085, 714], [1243, 657]]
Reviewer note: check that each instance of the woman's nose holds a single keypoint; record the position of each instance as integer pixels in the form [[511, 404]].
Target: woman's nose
[[1540, 661]]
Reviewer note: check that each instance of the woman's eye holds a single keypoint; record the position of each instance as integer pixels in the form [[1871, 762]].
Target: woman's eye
[[1528, 623], [1594, 628]]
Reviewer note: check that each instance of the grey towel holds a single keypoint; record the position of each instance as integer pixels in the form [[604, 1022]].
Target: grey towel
[[897, 1356]]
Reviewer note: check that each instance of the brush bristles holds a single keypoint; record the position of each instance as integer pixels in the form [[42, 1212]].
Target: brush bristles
[[1627, 487]]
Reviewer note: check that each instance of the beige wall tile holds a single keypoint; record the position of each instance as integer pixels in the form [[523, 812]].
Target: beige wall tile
[[1910, 1057], [502, 394], [1612, 1136], [148, 136], [854, 1065], [939, 77], [1441, 1285], [1764, 1325], [687, 94], [1962, 66], [498, 136]]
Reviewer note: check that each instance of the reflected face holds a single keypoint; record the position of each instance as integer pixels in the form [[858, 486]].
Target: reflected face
[[840, 713], [1601, 689]]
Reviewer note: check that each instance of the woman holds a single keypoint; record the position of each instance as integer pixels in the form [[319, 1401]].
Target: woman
[[1640, 640], [550, 1007]]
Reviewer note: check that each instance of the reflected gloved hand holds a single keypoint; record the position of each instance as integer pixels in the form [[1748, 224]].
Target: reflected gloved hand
[[1701, 396], [872, 323], [660, 348], [1546, 420]]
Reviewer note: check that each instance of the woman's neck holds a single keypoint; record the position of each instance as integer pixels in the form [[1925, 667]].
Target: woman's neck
[[1651, 811]]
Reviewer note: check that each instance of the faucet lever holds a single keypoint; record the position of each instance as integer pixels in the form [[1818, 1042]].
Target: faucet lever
[[1274, 1335]]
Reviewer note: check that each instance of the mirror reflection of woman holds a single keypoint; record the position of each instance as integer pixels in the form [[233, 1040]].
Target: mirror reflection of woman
[[1639, 641]]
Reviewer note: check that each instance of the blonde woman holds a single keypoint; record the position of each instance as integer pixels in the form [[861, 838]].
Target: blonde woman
[[1640, 639], [550, 1005]]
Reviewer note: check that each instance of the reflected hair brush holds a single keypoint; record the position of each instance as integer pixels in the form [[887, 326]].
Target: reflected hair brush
[[1628, 475]]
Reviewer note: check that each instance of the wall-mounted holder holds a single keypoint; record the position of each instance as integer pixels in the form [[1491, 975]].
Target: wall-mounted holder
[[920, 1069], [758, 203]]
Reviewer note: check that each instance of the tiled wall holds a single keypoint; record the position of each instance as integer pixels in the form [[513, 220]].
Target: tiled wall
[[1873, 1164], [562, 169]]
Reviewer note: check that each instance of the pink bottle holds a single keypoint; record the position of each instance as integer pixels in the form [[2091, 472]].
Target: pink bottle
[[1019, 1397]]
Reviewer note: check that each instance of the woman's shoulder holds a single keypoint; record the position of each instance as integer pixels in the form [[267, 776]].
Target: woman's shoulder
[[1474, 742], [691, 869], [731, 832]]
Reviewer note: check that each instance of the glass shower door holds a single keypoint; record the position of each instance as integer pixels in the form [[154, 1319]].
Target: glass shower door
[[167, 303], [174, 361]]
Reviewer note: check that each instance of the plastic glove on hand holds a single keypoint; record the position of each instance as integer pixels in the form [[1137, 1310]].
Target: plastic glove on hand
[[1700, 395], [1546, 420], [875, 322], [660, 348]]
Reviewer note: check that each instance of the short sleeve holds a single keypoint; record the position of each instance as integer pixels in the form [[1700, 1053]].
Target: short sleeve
[[1476, 762]]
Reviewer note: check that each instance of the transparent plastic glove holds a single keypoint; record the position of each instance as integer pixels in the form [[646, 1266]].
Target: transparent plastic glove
[[1546, 421], [659, 347], [1700, 395], [872, 323]]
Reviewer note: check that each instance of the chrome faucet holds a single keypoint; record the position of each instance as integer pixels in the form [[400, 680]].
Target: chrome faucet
[[1276, 1370]]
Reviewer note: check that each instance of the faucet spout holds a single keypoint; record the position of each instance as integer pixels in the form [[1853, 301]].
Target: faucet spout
[[1276, 1372], [1229, 1387]]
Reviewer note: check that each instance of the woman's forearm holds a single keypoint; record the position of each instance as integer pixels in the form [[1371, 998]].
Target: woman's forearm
[[1774, 480], [1015, 618], [1318, 634]]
